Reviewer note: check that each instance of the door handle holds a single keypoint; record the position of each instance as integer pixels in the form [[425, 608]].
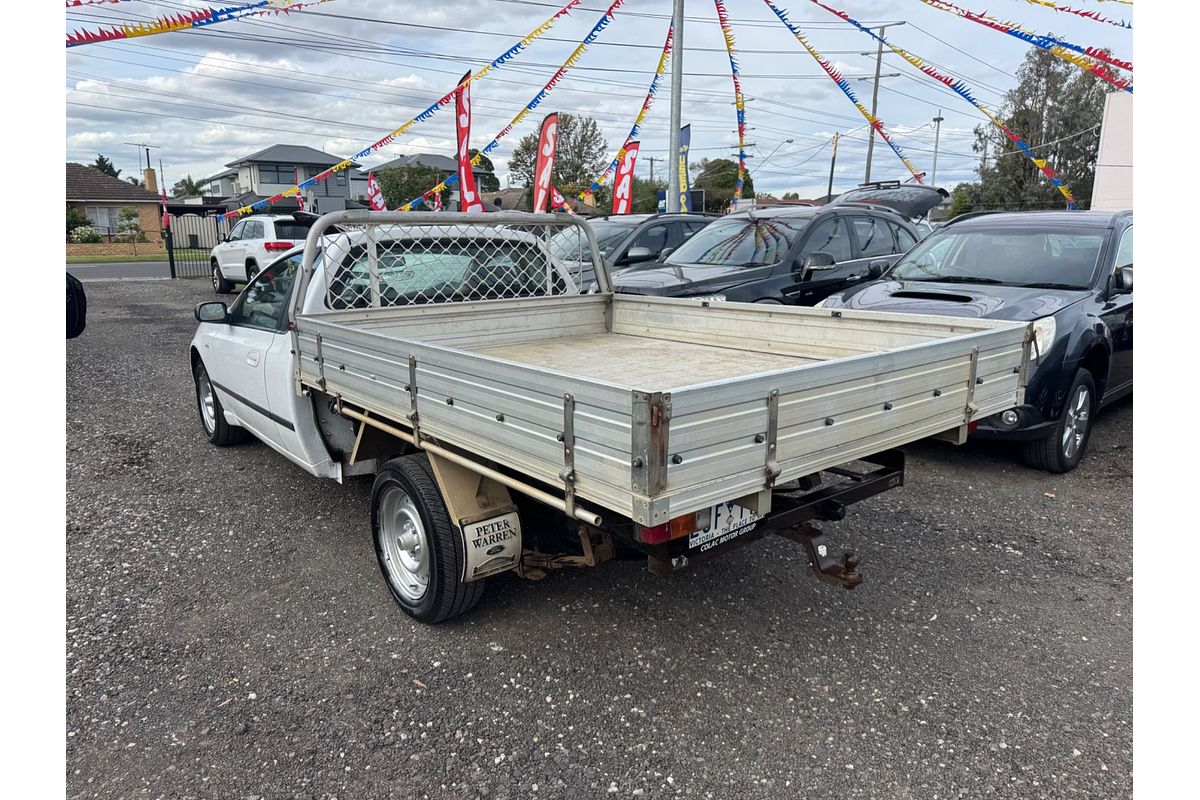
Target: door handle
[[252, 358], [853, 278]]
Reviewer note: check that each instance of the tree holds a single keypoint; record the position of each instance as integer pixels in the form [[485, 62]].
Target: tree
[[129, 225], [486, 173], [187, 187], [791, 196], [402, 184], [1056, 108], [104, 165], [718, 178], [134, 181], [75, 219], [579, 157]]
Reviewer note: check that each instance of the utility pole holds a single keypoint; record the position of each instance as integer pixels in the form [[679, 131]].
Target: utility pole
[[673, 185], [832, 162], [937, 137], [875, 94]]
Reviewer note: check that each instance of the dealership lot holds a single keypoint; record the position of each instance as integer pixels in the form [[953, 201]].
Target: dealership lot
[[228, 633]]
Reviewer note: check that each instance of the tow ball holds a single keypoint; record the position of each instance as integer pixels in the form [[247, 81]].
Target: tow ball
[[828, 569]]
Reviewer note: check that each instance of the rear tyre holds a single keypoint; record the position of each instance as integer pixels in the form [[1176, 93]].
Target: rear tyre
[[212, 415], [1063, 449], [419, 549], [251, 270], [76, 307], [220, 285]]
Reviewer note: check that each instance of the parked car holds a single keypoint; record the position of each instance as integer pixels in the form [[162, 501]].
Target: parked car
[[778, 254], [1071, 273], [253, 243], [628, 239], [76, 307]]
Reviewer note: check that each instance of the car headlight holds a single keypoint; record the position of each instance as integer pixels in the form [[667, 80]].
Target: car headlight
[[822, 303], [1044, 330]]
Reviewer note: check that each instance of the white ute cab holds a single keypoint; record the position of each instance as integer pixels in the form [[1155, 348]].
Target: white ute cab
[[512, 423], [253, 243]]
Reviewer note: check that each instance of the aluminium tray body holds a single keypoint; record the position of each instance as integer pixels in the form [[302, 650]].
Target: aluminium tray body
[[673, 404]]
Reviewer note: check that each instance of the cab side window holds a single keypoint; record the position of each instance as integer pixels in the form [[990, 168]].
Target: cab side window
[[874, 237], [653, 238], [830, 236], [254, 230], [904, 239], [237, 231], [1125, 249], [264, 302]]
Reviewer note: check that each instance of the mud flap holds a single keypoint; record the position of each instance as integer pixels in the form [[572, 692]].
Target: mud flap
[[486, 518]]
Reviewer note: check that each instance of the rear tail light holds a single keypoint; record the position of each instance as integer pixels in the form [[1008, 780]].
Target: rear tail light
[[676, 528], [273, 247]]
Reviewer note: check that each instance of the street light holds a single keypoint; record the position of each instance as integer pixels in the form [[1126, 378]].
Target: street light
[[772, 153]]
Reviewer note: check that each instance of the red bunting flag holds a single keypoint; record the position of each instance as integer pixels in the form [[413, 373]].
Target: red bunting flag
[[558, 202], [468, 195], [623, 184], [374, 194], [547, 143]]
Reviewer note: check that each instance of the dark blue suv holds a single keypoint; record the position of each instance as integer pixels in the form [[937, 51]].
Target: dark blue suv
[[1069, 272]]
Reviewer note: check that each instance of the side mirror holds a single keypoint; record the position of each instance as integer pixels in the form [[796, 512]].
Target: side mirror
[[212, 311], [666, 251], [876, 269], [636, 255], [1124, 281], [818, 260]]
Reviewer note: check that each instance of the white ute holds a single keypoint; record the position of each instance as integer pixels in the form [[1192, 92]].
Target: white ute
[[514, 424]]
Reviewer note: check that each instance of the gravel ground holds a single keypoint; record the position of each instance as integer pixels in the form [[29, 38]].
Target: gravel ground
[[229, 636]]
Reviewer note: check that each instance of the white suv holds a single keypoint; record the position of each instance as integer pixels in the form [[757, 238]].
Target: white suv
[[252, 244]]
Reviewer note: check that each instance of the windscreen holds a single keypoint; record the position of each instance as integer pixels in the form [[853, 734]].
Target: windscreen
[[571, 244], [1031, 257], [740, 242]]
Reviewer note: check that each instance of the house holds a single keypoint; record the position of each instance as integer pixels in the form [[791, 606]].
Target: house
[[511, 199], [277, 168], [101, 197]]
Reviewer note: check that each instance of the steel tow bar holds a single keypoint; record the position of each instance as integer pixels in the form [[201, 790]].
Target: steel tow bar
[[828, 569]]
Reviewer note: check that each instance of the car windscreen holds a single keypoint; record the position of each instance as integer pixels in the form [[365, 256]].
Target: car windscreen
[[1029, 256], [296, 231], [740, 242], [571, 245]]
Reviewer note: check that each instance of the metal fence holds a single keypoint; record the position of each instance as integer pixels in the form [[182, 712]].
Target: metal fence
[[376, 260], [190, 240]]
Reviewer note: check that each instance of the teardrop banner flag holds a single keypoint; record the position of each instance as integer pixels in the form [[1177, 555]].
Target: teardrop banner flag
[[547, 144], [374, 194], [468, 195], [623, 185]]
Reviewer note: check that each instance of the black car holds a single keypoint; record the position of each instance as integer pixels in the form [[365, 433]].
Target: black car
[[76, 307], [628, 239], [1071, 272], [782, 254]]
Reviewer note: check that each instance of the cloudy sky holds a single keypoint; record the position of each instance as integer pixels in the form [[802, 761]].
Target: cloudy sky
[[341, 77]]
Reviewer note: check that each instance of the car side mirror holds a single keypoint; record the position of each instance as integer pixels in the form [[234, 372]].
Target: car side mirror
[[212, 311], [818, 260], [636, 255], [876, 269], [666, 251], [1124, 281]]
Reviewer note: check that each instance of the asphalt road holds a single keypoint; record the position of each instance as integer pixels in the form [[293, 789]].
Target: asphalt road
[[229, 636], [120, 270]]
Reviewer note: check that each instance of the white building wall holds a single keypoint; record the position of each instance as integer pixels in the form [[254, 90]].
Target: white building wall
[[1113, 189]]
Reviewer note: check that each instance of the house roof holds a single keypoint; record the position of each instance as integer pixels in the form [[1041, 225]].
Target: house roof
[[444, 163], [229, 173], [289, 154], [89, 183]]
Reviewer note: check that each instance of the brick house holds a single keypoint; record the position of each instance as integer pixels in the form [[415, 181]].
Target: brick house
[[101, 197]]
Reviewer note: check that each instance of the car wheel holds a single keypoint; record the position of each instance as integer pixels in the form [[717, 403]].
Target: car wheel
[[419, 549], [1063, 449], [251, 270], [212, 415], [220, 285]]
